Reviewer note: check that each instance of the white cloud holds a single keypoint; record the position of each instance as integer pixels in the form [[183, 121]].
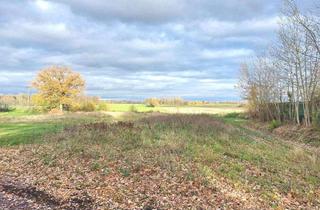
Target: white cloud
[[140, 44], [42, 5], [129, 10], [218, 28], [218, 84], [226, 53], [134, 48], [159, 11], [35, 32]]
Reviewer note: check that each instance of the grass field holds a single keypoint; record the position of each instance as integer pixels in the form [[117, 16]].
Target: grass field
[[16, 112], [119, 160], [20, 126], [218, 108], [214, 108], [24, 133]]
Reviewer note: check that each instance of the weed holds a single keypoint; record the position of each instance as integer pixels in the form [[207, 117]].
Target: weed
[[125, 172], [95, 166], [274, 124], [48, 160], [105, 171]]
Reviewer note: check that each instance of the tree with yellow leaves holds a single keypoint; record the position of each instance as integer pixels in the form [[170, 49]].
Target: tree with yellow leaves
[[58, 86]]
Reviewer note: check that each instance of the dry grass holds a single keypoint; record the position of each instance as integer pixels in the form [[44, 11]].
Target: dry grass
[[168, 161]]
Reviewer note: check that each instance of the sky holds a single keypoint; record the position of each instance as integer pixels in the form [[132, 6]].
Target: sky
[[135, 49]]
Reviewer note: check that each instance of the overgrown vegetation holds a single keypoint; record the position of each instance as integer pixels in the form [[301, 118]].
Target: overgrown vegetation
[[4, 107], [74, 151], [274, 124], [183, 155], [284, 84]]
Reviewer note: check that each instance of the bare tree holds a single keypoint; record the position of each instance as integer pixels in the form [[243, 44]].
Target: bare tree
[[286, 80]]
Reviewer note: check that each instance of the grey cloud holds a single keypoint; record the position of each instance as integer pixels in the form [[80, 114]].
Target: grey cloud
[[158, 11], [135, 48], [137, 10]]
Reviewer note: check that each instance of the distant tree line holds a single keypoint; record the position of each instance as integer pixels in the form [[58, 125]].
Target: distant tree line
[[173, 101], [59, 89], [284, 83], [15, 100]]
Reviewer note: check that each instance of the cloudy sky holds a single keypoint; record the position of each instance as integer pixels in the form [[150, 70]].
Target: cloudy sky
[[133, 49]]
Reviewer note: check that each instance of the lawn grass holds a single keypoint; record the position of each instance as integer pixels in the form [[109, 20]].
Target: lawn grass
[[14, 133], [25, 133]]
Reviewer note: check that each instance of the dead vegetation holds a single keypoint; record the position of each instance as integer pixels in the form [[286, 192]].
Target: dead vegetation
[[161, 162], [305, 136]]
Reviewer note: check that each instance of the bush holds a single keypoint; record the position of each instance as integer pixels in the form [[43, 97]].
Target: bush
[[274, 124], [75, 107], [152, 102], [103, 106], [133, 108], [84, 107], [316, 120], [88, 107], [37, 109], [4, 108]]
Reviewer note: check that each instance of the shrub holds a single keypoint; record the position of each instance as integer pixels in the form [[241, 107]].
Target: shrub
[[37, 109], [75, 107], [274, 124], [4, 108], [103, 106], [88, 107], [316, 120]]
